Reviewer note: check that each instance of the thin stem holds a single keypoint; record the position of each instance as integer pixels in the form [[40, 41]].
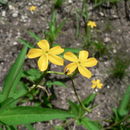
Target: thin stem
[[44, 89], [76, 94], [55, 72]]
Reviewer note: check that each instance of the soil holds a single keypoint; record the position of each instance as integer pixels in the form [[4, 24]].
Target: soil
[[16, 20]]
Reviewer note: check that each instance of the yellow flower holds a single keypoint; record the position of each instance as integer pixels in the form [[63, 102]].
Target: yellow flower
[[46, 54], [32, 8], [91, 24], [80, 62], [97, 84]]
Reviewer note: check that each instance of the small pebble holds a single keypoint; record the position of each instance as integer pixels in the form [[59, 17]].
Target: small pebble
[[96, 90], [3, 13], [108, 86], [115, 16], [15, 14], [78, 44], [15, 43], [70, 1], [107, 39], [101, 13], [11, 7], [114, 51]]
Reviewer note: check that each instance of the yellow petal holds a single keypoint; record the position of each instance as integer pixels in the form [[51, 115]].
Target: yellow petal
[[55, 59], [83, 55], [100, 85], [43, 44], [91, 24], [93, 86], [43, 63], [70, 56], [85, 72], [93, 81], [98, 81], [70, 68], [34, 52], [56, 50], [90, 62], [32, 8]]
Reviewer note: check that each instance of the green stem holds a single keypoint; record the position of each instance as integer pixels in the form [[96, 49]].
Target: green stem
[[55, 72], [76, 94]]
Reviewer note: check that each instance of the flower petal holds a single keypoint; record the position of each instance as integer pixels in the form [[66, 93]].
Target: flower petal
[[43, 63], [91, 24], [93, 86], [43, 44], [83, 55], [98, 81], [100, 85], [34, 52], [85, 72], [70, 56], [55, 59], [90, 62], [70, 68], [93, 81], [56, 50]]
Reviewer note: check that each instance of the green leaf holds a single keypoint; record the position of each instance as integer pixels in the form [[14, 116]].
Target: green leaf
[[87, 101], [32, 74], [15, 84], [58, 128], [11, 127], [26, 43], [6, 103], [3, 1], [1, 97], [89, 124], [60, 26], [55, 44], [58, 83], [33, 35], [74, 108], [26, 115], [124, 106], [20, 90], [58, 3], [74, 50], [116, 117], [14, 74]]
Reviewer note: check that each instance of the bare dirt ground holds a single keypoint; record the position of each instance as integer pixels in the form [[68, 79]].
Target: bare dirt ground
[[16, 20]]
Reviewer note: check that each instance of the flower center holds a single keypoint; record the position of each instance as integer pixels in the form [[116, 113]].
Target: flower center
[[46, 52], [79, 62]]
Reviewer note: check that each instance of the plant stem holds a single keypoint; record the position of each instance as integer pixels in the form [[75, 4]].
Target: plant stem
[[76, 94], [55, 72]]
